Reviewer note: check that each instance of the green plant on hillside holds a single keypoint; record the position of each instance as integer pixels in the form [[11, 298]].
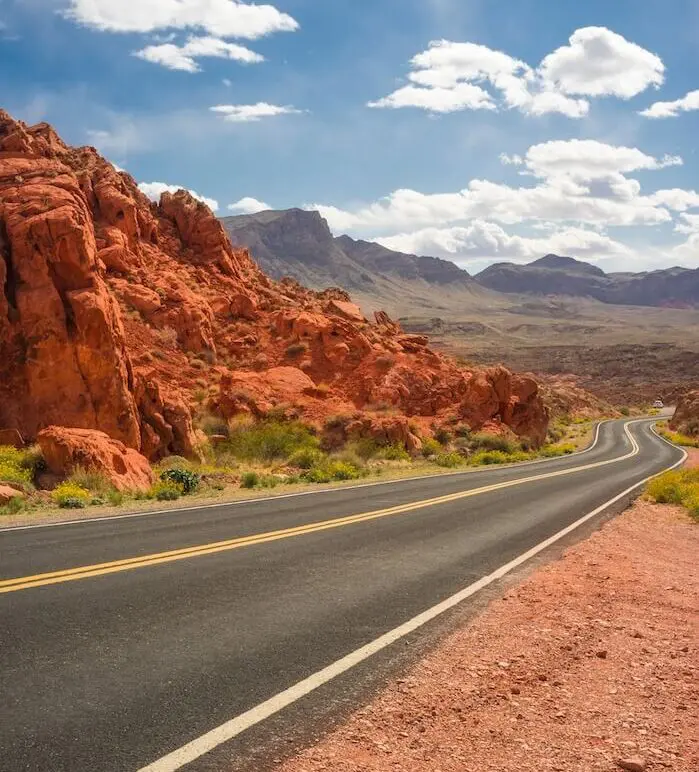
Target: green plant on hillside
[[482, 441], [625, 411], [552, 451], [680, 439], [450, 460], [488, 458], [14, 506], [270, 441], [68, 495], [431, 447], [249, 480], [13, 469], [680, 487], [166, 490], [306, 458], [186, 479], [394, 452], [90, 479]]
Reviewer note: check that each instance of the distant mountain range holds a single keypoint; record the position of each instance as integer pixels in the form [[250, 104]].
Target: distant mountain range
[[554, 275], [299, 244]]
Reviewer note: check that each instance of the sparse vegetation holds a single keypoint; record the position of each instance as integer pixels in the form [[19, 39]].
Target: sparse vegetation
[[166, 490], [680, 439], [69, 495], [187, 480], [450, 460], [270, 441], [679, 487], [15, 467]]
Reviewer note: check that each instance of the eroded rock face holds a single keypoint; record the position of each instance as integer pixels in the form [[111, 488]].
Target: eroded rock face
[[686, 418], [116, 312], [65, 449]]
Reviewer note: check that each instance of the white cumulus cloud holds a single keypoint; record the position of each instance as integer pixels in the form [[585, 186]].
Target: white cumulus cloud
[[220, 18], [155, 189], [248, 205], [599, 62], [250, 113], [688, 103], [184, 57], [451, 76]]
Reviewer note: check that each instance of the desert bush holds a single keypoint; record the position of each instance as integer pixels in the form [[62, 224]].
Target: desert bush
[[680, 439], [212, 424], [270, 441], [12, 469], [679, 487], [450, 460], [68, 495], [14, 506], [249, 480], [173, 462], [393, 453], [186, 479], [625, 411], [365, 448], [91, 479], [552, 451], [482, 441], [296, 350], [166, 490], [33, 460], [442, 436], [489, 457], [115, 497], [430, 447], [332, 469], [306, 458]]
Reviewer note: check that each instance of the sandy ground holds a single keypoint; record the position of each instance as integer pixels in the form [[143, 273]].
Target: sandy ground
[[590, 664]]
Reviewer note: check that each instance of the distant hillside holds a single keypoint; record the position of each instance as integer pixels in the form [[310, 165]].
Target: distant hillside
[[556, 275], [298, 243]]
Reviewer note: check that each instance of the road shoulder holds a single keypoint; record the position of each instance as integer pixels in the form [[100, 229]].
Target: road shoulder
[[591, 660]]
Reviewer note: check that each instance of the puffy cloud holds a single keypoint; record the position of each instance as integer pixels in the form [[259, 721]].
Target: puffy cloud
[[452, 76], [672, 109], [599, 62], [250, 113], [248, 205], [483, 240], [220, 18], [155, 189], [183, 57], [588, 159]]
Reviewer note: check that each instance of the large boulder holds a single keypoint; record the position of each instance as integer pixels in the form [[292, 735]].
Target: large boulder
[[686, 418], [65, 449]]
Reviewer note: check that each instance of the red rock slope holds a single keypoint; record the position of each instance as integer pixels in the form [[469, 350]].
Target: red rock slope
[[114, 311], [686, 418]]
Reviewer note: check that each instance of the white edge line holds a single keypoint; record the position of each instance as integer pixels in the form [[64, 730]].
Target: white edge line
[[240, 502], [236, 726]]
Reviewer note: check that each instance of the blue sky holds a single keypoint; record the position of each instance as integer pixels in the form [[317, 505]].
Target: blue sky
[[519, 133]]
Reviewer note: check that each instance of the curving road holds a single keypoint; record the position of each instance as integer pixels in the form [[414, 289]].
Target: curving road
[[148, 642]]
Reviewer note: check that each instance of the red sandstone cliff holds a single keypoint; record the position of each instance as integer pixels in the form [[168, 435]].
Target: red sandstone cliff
[[686, 417], [115, 310]]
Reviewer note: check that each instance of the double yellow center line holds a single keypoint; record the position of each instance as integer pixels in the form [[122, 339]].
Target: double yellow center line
[[128, 564]]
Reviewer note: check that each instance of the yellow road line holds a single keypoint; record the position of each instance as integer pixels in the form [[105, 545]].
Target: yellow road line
[[127, 564]]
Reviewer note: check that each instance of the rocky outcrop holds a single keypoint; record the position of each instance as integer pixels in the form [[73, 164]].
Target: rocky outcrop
[[65, 449], [116, 313], [686, 417]]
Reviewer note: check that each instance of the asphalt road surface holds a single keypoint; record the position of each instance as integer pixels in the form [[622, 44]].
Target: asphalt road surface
[[123, 640]]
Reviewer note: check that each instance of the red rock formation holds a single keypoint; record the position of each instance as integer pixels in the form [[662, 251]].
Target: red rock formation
[[686, 417], [114, 311], [65, 449]]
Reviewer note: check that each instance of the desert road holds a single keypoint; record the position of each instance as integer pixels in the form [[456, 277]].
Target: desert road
[[154, 642]]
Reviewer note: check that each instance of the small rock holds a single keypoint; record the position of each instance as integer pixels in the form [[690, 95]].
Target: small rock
[[634, 764], [602, 654]]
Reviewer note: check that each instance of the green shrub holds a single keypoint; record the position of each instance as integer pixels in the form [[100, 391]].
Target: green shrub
[[625, 411], [166, 490], [12, 469], [249, 480], [482, 441], [270, 440], [295, 350], [450, 460], [553, 451], [174, 462], [91, 479], [341, 470], [393, 453], [68, 495], [188, 481], [680, 439], [306, 458], [33, 460], [14, 506], [431, 447], [679, 487], [115, 497], [211, 424], [319, 474], [442, 436], [488, 458], [268, 481], [365, 448]]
